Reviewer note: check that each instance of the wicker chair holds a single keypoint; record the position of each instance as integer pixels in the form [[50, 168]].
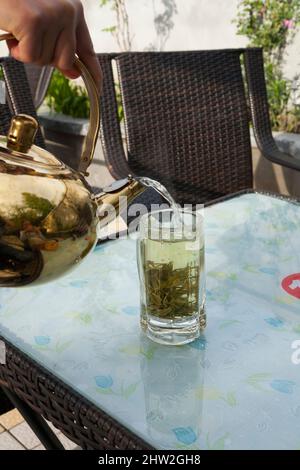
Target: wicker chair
[[187, 118], [19, 97]]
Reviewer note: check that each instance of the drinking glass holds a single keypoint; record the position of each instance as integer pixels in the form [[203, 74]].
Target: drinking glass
[[170, 254]]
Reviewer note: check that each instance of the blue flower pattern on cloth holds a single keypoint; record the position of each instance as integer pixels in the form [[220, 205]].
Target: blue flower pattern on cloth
[[42, 340], [84, 328], [199, 343], [131, 310], [78, 283], [185, 435], [275, 322], [104, 381], [271, 271], [283, 386]]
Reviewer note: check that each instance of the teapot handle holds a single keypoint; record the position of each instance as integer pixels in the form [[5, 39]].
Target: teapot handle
[[94, 125]]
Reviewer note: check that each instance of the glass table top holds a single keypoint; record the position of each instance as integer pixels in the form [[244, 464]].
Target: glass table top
[[236, 387]]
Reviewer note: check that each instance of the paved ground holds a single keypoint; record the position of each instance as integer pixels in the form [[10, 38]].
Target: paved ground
[[15, 434]]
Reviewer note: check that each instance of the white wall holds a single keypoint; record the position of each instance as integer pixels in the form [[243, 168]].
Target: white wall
[[199, 24]]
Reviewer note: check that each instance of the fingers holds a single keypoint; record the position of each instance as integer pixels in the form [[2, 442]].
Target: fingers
[[40, 26], [28, 49], [29, 32], [52, 32], [86, 53], [53, 47], [65, 53], [72, 74], [48, 46], [12, 45]]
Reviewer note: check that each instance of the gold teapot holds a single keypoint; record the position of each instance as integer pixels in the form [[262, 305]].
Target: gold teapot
[[48, 213]]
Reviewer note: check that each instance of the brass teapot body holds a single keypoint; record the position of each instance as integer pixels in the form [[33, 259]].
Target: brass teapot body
[[48, 214]]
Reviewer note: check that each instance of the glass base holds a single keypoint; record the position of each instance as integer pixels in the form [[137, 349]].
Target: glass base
[[174, 333]]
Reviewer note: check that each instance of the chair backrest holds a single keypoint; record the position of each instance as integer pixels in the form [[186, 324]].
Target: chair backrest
[[18, 96], [186, 120]]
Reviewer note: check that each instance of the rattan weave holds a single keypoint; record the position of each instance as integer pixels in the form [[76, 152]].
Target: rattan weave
[[187, 117], [19, 97], [77, 418]]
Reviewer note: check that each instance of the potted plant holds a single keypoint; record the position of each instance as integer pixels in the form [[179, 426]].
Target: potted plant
[[272, 25], [64, 118]]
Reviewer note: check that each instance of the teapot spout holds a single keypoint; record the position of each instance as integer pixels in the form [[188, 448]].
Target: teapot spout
[[116, 198]]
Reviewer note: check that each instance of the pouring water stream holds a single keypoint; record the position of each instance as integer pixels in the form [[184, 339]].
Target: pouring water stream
[[160, 189]]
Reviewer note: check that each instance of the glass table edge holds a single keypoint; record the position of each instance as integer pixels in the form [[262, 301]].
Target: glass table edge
[[42, 371]]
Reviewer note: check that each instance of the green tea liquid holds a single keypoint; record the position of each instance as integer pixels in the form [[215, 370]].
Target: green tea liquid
[[173, 281]]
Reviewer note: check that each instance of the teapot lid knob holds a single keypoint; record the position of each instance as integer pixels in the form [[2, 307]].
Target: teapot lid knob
[[21, 134]]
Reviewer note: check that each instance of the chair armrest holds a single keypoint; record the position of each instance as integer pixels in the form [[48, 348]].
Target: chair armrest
[[270, 151], [259, 109]]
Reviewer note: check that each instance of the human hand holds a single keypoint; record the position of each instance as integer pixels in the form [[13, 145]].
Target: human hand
[[50, 32]]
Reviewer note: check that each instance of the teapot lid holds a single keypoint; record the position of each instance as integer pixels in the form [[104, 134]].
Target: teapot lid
[[17, 149], [21, 134]]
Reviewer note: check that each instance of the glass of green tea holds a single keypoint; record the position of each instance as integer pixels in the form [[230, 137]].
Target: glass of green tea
[[170, 254]]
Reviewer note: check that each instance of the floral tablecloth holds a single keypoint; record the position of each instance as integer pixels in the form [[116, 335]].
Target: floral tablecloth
[[236, 387]]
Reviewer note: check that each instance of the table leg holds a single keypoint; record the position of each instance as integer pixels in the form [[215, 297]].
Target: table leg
[[35, 421]]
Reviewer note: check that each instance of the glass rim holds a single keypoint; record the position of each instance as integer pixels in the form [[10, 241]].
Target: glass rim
[[196, 226], [185, 211]]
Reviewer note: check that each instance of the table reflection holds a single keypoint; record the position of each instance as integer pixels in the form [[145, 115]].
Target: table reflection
[[173, 386]]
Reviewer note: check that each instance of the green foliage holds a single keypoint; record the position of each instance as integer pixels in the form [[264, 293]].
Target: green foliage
[[109, 29], [65, 97], [279, 92], [39, 204], [113, 6], [119, 102], [120, 31], [35, 210], [272, 24]]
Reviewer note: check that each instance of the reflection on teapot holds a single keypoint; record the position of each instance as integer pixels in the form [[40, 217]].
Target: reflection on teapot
[[48, 213], [172, 380]]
